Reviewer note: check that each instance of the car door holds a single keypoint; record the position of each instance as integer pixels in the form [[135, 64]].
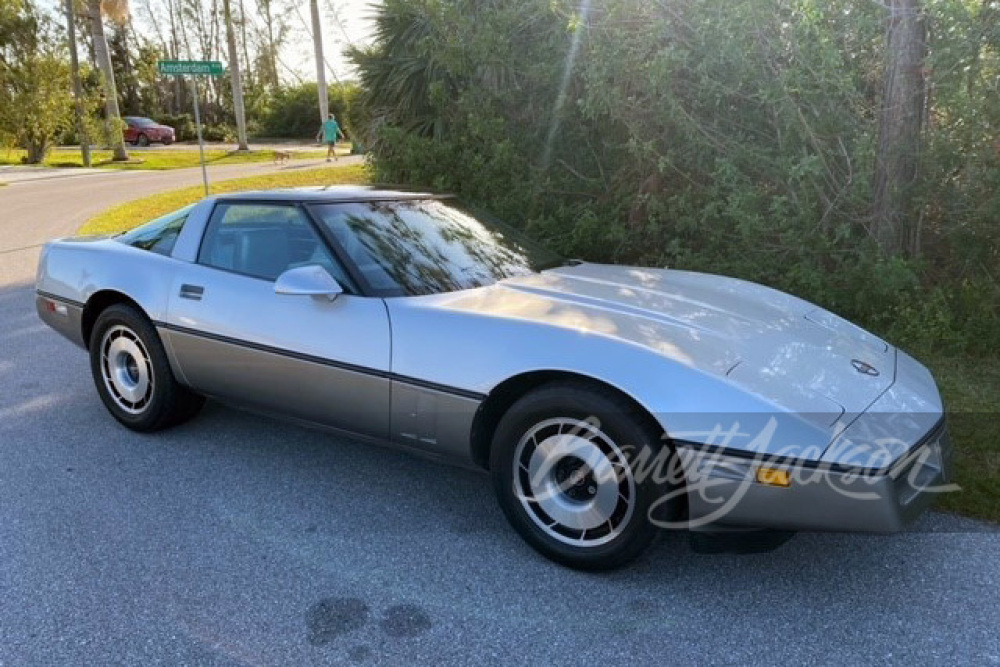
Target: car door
[[308, 357]]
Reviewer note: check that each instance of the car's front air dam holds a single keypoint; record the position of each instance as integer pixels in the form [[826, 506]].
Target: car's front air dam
[[724, 490]]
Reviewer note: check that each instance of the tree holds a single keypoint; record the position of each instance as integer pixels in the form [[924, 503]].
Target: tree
[[901, 123], [34, 80], [118, 9], [317, 35], [124, 55], [234, 73], [74, 63], [275, 29], [405, 68]]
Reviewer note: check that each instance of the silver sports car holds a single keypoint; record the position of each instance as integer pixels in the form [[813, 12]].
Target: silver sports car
[[606, 402]]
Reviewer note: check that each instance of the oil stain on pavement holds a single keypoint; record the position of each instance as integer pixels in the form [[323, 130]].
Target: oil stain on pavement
[[405, 620], [331, 617], [334, 617]]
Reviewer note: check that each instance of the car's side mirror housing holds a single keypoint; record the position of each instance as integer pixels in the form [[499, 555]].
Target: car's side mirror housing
[[312, 280]]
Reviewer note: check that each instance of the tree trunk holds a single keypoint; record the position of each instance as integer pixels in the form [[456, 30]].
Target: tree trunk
[[324, 100], [901, 122], [272, 50], [74, 64], [175, 103], [107, 81], [234, 73], [246, 49], [36, 148]]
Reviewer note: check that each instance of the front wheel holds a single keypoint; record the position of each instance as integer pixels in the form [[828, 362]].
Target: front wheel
[[564, 467], [132, 373]]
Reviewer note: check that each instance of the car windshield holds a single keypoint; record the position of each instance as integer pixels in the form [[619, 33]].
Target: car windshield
[[141, 122], [430, 246]]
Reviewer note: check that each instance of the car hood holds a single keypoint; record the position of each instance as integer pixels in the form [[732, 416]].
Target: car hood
[[786, 350]]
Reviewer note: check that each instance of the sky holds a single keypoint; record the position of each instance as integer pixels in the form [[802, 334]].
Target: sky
[[345, 22], [353, 27]]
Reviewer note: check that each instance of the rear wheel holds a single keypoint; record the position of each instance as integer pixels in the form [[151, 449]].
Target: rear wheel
[[142, 140], [132, 373], [562, 463]]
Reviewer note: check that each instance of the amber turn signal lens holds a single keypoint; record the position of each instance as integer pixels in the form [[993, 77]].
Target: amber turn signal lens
[[774, 477]]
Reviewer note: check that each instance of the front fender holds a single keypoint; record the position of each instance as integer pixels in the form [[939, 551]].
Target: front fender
[[476, 352]]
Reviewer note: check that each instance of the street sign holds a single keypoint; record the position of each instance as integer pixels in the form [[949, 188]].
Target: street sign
[[195, 68], [198, 67]]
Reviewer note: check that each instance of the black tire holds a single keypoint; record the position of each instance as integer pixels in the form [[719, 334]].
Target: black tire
[[619, 432], [132, 373], [142, 140], [167, 142]]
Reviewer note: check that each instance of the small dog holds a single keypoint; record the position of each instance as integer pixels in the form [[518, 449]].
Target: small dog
[[282, 156]]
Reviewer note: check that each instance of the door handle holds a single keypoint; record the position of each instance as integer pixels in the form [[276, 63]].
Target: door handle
[[193, 292]]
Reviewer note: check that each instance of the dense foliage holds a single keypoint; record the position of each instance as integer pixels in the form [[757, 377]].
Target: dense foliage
[[737, 138], [36, 104], [292, 111], [34, 81]]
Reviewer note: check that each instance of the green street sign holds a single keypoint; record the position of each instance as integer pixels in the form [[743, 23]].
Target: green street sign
[[202, 67]]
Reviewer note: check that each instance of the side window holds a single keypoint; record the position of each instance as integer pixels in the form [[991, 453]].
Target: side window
[[160, 235], [265, 240]]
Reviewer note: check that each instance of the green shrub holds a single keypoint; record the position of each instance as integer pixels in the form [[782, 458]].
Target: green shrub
[[293, 111], [218, 133], [182, 123], [739, 142]]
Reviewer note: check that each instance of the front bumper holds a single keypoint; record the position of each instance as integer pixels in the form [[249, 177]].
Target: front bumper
[[722, 489]]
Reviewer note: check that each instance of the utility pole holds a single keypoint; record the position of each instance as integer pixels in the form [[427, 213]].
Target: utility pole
[[74, 63], [324, 100]]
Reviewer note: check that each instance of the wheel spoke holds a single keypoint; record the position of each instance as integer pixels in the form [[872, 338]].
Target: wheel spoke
[[571, 480], [127, 369]]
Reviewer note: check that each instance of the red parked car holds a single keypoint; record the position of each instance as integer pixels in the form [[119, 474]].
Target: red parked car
[[144, 131]]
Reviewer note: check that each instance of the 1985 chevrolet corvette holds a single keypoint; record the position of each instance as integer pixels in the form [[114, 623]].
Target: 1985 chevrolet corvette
[[606, 402]]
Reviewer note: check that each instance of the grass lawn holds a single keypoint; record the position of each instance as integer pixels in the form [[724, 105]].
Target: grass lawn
[[971, 391], [133, 213], [162, 159], [970, 386]]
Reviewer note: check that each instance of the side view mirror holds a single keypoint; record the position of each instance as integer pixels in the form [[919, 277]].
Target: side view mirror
[[312, 280]]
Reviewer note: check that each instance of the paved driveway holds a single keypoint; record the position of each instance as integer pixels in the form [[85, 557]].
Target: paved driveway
[[236, 539]]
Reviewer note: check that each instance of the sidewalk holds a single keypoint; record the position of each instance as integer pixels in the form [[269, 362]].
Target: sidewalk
[[22, 173]]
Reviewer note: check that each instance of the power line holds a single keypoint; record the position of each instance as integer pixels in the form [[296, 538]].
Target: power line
[[332, 10], [310, 33]]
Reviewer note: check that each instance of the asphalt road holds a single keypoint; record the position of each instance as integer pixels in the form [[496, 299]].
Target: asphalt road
[[237, 539]]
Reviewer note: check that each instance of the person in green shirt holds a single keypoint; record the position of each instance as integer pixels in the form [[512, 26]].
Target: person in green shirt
[[330, 133]]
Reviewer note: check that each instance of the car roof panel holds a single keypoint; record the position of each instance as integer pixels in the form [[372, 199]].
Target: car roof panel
[[329, 193]]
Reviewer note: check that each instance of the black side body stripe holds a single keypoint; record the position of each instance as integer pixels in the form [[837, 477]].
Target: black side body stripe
[[61, 299], [354, 368]]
